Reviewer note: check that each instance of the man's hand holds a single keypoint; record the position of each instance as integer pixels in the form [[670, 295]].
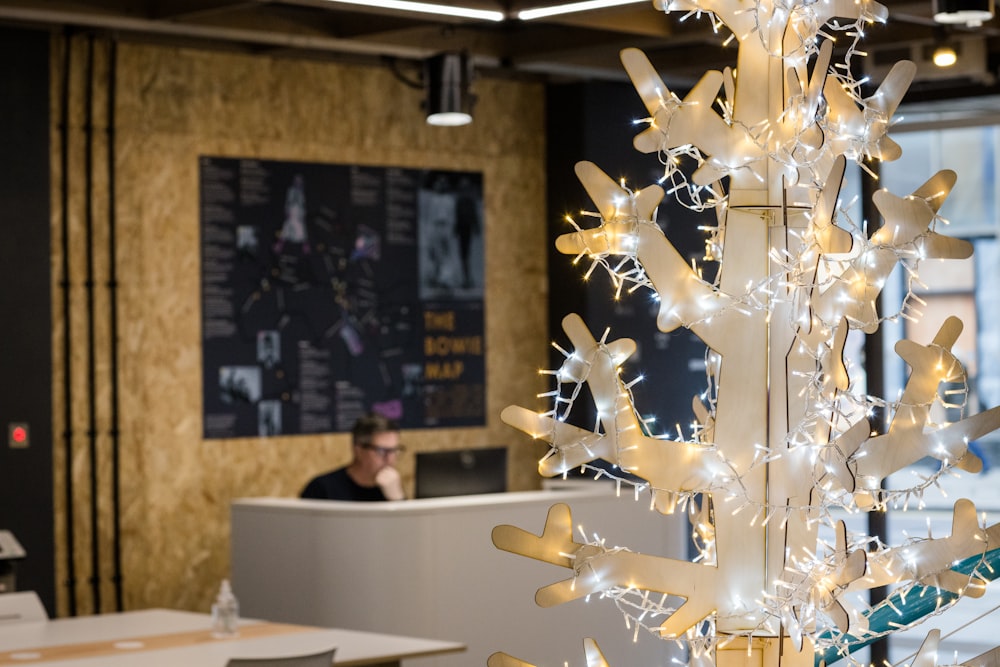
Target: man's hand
[[389, 481]]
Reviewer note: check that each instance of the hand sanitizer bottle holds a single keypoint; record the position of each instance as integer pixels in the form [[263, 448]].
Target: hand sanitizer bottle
[[225, 612]]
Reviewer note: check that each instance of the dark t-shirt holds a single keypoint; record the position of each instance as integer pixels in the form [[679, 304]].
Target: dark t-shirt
[[338, 485]]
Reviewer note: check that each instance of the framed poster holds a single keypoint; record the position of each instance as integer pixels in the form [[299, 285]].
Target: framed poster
[[332, 290]]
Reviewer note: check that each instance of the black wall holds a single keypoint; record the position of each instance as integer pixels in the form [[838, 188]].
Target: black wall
[[26, 503]]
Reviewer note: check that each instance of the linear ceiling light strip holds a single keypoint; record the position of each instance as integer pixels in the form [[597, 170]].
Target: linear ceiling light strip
[[555, 10], [427, 8]]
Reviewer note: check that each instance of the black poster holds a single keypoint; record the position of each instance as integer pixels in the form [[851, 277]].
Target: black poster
[[332, 290]]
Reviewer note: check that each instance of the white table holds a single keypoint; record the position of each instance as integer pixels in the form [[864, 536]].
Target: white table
[[166, 638]]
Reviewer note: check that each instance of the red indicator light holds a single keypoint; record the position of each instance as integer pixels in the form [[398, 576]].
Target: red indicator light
[[18, 435]]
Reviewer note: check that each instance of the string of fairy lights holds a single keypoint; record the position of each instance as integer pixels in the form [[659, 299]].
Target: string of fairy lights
[[642, 609], [837, 411], [802, 114]]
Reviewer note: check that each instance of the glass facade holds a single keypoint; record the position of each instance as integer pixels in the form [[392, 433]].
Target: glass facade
[[970, 290]]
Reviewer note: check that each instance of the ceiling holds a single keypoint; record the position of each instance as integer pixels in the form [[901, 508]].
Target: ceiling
[[583, 45]]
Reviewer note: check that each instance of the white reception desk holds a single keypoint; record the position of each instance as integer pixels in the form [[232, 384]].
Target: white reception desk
[[428, 568]]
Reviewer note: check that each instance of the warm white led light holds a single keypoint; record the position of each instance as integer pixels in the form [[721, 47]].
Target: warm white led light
[[449, 119], [569, 8], [427, 8], [945, 56]]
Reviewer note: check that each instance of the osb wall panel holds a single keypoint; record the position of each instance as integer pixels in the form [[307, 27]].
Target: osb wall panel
[[174, 105]]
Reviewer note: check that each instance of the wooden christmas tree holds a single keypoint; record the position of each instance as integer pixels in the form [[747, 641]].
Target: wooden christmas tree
[[783, 439]]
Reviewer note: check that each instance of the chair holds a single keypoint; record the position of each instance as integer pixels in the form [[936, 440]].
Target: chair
[[321, 659], [21, 607]]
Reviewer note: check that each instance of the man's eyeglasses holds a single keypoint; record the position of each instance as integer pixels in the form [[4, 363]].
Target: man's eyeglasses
[[384, 452]]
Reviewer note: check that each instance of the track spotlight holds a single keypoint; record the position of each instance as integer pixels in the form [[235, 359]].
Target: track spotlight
[[970, 12], [447, 78]]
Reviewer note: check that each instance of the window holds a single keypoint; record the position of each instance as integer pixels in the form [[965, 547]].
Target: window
[[970, 290]]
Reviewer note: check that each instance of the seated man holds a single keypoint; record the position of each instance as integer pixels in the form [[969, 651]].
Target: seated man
[[371, 474]]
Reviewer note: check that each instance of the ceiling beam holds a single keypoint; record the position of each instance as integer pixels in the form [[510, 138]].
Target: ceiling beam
[[187, 9]]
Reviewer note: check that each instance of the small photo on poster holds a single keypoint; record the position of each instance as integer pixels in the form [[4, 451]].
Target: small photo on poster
[[367, 244], [246, 239], [269, 348], [293, 226], [239, 384], [413, 376], [450, 236], [269, 418]]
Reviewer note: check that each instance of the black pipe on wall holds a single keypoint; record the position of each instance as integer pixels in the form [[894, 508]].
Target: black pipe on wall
[[67, 328], [113, 315], [95, 548]]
